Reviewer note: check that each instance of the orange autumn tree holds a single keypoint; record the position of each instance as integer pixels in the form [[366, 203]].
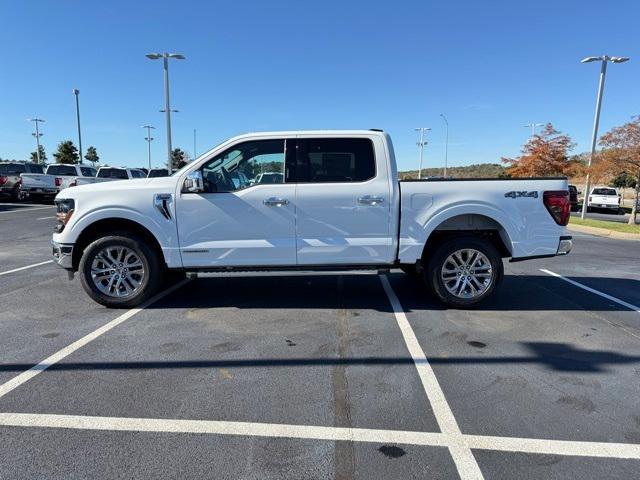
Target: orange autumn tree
[[622, 152], [544, 155]]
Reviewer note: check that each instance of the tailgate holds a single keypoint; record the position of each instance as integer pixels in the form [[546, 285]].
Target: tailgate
[[38, 180], [604, 199]]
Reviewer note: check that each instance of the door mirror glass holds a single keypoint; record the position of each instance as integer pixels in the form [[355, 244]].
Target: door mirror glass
[[193, 183]]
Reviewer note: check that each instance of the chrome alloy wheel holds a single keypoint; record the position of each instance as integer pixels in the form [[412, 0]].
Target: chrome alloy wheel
[[117, 271], [466, 273]]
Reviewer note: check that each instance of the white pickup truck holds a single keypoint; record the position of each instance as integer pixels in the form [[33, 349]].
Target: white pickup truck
[[110, 174], [603, 198], [56, 177], [337, 205]]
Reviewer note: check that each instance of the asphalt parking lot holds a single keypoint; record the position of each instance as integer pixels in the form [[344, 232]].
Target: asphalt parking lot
[[338, 376]]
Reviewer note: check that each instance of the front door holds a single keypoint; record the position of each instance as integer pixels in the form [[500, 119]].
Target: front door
[[246, 215]]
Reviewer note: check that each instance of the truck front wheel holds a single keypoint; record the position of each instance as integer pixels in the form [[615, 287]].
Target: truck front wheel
[[464, 271], [120, 270]]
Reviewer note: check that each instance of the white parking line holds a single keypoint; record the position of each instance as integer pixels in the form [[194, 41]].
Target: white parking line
[[23, 209], [15, 382], [312, 432], [465, 462], [593, 290], [45, 218], [25, 268]]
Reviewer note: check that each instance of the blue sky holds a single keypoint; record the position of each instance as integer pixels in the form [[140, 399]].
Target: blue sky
[[489, 66]]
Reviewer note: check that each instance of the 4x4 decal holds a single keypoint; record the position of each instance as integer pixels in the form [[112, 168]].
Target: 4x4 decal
[[514, 194]]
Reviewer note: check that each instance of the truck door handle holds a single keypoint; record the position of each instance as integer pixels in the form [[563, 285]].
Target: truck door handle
[[370, 200], [275, 202]]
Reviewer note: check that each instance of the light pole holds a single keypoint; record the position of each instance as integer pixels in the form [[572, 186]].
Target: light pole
[[421, 144], [194, 144], [37, 134], [167, 109], [604, 59], [76, 92], [446, 145], [149, 138], [533, 128]]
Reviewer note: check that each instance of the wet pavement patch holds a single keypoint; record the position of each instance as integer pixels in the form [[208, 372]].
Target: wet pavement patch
[[391, 451]]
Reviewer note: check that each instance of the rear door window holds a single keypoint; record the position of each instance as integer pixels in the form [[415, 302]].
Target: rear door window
[[88, 171], [335, 160]]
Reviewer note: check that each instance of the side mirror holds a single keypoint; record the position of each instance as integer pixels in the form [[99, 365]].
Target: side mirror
[[193, 183]]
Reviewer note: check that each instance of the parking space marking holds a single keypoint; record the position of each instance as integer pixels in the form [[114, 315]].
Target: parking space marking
[[311, 432], [24, 209], [462, 456], [27, 375], [45, 218], [26, 267], [593, 290]]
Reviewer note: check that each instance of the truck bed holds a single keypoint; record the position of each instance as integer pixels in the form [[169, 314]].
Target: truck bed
[[514, 207]]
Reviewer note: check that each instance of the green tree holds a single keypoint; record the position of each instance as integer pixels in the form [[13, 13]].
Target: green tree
[[179, 158], [67, 153], [43, 155], [92, 155]]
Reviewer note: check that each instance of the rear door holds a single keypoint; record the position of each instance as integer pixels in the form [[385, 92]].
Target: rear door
[[343, 200], [240, 220]]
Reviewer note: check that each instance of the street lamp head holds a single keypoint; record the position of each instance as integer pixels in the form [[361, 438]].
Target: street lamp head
[[34, 120], [153, 56], [592, 59], [177, 56], [148, 126], [619, 59], [76, 91]]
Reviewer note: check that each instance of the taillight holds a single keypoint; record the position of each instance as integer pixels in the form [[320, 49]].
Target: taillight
[[558, 205], [590, 200], [3, 180], [58, 181]]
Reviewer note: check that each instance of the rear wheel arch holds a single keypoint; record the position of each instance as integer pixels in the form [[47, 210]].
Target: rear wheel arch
[[106, 227], [471, 224]]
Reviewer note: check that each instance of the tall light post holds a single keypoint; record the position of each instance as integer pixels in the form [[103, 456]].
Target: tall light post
[[37, 134], [533, 128], [194, 144], [604, 59], [421, 144], [149, 138], [167, 108], [446, 145], [76, 92]]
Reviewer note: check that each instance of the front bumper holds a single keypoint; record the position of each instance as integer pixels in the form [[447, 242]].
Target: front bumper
[[63, 254]]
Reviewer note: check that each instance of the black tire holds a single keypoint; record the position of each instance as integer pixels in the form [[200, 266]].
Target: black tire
[[150, 283], [433, 277]]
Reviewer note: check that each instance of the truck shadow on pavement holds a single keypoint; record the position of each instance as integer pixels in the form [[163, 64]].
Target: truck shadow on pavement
[[357, 291]]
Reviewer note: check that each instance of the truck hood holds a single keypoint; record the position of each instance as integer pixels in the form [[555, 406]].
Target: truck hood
[[123, 186]]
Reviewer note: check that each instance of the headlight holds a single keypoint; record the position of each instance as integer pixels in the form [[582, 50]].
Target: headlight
[[64, 210]]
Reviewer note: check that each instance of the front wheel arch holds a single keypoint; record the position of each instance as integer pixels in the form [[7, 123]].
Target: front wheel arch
[[107, 226]]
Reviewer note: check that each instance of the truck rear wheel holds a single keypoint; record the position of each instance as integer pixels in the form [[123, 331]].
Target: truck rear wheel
[[120, 270], [464, 271]]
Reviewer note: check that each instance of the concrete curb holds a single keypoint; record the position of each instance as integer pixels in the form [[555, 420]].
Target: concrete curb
[[604, 232]]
